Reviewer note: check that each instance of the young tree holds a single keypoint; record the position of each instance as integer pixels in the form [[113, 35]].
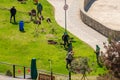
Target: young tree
[[80, 65]]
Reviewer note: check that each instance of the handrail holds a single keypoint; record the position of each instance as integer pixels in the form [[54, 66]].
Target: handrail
[[12, 64]]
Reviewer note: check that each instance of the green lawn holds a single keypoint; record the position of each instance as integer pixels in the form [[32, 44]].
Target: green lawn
[[19, 48]]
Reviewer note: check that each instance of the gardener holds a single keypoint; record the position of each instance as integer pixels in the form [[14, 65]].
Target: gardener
[[65, 38], [97, 53], [33, 14], [39, 9], [13, 13], [69, 59], [70, 48]]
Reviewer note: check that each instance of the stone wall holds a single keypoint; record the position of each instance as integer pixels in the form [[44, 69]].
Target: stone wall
[[96, 24]]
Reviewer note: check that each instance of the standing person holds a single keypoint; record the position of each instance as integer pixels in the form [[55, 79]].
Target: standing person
[[39, 9], [65, 38], [13, 13], [70, 46], [69, 59], [97, 53]]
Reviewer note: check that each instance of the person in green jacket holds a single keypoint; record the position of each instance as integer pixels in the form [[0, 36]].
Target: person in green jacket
[[97, 53], [39, 9]]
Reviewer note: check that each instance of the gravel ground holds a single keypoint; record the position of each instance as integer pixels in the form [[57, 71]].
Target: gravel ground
[[2, 77]]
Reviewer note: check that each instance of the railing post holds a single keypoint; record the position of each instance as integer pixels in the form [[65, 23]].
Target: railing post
[[24, 72], [14, 71], [69, 75], [51, 75]]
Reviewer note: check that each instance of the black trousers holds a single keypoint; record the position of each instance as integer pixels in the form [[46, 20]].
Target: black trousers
[[68, 62], [65, 43], [12, 16]]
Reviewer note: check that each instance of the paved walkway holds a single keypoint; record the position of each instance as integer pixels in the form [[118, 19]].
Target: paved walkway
[[2, 77], [74, 23]]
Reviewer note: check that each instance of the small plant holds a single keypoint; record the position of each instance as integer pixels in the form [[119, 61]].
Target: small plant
[[36, 32], [80, 65], [8, 73]]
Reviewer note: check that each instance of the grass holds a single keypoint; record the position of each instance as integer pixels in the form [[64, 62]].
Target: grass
[[19, 48]]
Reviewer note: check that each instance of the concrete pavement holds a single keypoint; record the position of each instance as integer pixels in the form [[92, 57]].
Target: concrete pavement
[[2, 77], [106, 12], [74, 23]]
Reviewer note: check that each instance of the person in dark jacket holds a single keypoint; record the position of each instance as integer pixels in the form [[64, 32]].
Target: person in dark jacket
[[39, 9], [13, 13], [70, 48], [69, 59], [65, 38], [33, 14], [97, 53]]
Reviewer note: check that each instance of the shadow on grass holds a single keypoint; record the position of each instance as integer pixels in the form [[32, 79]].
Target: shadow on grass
[[23, 31], [14, 23], [72, 40]]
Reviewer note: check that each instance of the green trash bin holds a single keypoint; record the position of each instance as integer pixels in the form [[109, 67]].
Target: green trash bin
[[33, 69]]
